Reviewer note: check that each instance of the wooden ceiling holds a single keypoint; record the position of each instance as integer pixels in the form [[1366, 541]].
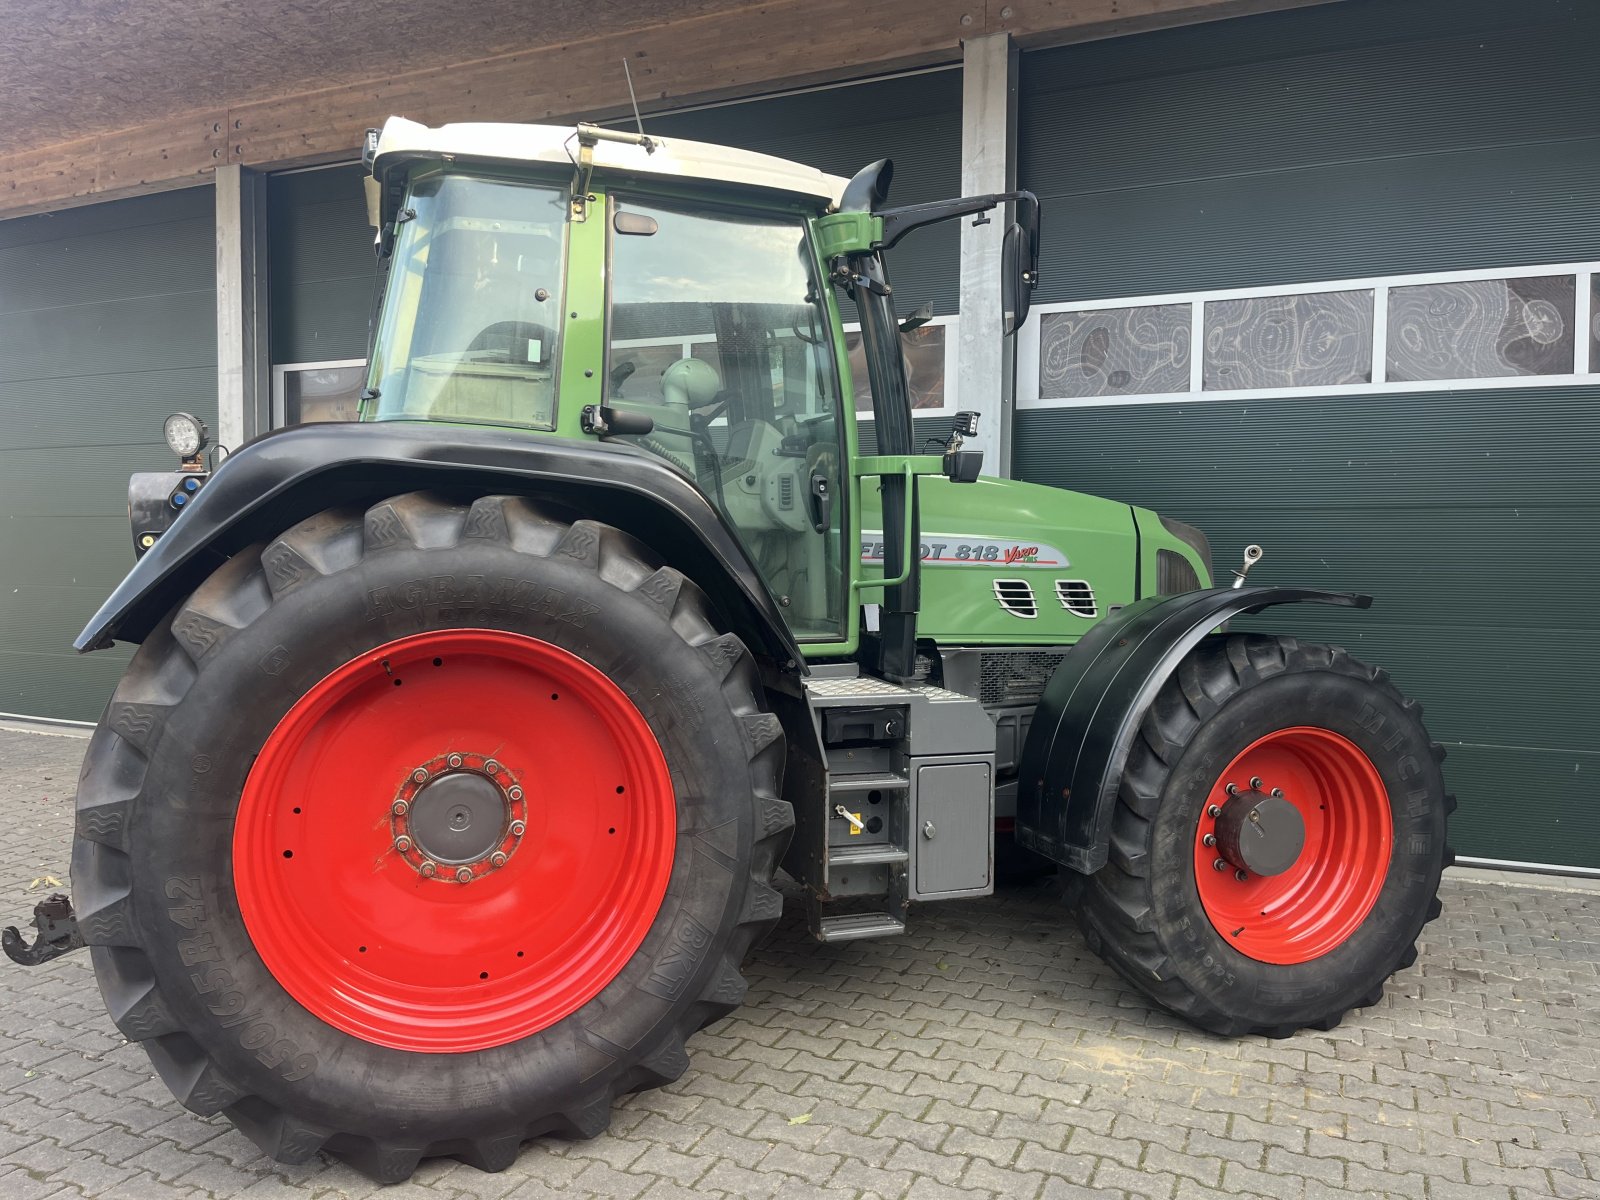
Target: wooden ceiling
[[73, 68], [105, 98]]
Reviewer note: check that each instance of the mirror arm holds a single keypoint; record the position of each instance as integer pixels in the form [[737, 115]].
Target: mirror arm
[[897, 222]]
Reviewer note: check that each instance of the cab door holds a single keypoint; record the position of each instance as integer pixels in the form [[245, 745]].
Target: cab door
[[719, 330]]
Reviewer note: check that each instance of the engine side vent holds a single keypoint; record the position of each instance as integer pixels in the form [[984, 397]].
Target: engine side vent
[[1015, 677], [1016, 597], [1077, 597], [1174, 573], [786, 492]]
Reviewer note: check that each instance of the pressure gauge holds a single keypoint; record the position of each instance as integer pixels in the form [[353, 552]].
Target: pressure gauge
[[186, 435]]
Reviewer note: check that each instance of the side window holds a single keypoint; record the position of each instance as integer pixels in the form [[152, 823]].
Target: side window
[[472, 315], [719, 332]]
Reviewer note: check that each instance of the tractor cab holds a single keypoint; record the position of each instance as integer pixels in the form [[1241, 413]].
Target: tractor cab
[[680, 298]]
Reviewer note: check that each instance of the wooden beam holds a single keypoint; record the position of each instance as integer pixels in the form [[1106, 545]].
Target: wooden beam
[[757, 48]]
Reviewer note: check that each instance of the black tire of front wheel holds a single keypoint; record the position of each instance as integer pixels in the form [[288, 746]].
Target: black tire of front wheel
[[1142, 912], [165, 769]]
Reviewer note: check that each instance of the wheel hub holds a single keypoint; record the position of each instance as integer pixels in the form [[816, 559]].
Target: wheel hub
[[1260, 833], [458, 817]]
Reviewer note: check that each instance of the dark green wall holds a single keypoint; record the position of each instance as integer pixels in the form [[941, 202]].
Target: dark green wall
[[322, 265], [107, 324], [1362, 138]]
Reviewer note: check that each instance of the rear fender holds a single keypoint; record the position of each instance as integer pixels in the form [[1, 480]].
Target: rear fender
[[279, 480], [1083, 729]]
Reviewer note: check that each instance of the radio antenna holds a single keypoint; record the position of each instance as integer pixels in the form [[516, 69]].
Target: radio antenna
[[632, 99]]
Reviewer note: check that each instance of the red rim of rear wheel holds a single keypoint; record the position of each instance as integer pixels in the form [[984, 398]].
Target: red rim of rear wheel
[[454, 840], [1315, 905]]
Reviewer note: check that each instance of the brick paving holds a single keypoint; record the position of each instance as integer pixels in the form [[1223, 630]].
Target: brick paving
[[988, 1053]]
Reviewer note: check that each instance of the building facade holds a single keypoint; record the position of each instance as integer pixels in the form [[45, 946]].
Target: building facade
[[1324, 277]]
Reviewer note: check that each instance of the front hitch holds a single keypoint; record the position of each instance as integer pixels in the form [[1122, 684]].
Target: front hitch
[[58, 933]]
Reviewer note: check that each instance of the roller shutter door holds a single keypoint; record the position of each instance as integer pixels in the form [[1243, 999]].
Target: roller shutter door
[[107, 324]]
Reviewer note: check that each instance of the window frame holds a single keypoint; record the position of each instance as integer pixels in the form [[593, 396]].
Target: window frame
[[1583, 273], [280, 389]]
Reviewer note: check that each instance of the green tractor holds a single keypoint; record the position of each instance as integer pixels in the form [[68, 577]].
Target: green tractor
[[446, 791]]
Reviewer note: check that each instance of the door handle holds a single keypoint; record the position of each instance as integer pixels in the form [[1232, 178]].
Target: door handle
[[821, 502]]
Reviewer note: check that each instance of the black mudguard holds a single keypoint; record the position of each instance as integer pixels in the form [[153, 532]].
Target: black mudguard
[[284, 477], [1084, 727]]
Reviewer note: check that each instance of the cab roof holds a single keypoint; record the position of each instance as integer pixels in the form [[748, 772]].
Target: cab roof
[[501, 144]]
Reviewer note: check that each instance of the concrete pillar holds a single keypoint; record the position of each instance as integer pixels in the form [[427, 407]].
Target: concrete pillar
[[244, 368], [986, 361]]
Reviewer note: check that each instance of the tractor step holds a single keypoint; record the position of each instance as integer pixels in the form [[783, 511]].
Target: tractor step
[[866, 856], [866, 783], [852, 926]]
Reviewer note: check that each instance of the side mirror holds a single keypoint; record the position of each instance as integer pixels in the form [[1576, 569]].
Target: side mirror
[[1019, 263]]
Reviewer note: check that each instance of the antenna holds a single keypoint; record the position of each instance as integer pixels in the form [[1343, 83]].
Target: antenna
[[632, 99]]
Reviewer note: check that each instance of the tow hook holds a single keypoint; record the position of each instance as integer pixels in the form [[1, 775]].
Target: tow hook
[[58, 933]]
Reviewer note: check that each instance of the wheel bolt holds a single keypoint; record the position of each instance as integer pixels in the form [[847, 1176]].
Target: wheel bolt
[[1240, 876], [497, 859], [399, 808], [463, 874], [455, 761], [515, 793], [1219, 865], [402, 843], [428, 870], [1255, 781], [1210, 839], [491, 766], [1232, 789], [420, 775], [1213, 811], [518, 829], [1277, 793]]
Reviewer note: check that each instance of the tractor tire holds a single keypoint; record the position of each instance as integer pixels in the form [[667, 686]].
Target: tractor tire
[[429, 829], [1255, 946]]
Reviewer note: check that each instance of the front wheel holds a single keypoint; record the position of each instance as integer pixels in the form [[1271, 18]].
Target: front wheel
[[424, 830], [1277, 842]]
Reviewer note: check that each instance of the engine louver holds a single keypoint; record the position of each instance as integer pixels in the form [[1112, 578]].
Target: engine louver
[[1016, 597], [1077, 597]]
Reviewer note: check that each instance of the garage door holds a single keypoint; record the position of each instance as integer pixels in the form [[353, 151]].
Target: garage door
[[1324, 280], [107, 324]]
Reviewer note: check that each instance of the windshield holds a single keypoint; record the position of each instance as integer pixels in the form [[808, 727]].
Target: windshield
[[472, 313], [720, 333]]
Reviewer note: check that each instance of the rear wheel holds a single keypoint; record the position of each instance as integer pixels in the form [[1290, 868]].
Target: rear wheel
[[429, 829], [1277, 842]]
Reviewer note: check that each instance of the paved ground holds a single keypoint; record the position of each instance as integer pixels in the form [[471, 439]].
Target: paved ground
[[987, 1054]]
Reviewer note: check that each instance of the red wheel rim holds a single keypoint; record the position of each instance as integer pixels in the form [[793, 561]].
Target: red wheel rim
[[360, 932], [1318, 902]]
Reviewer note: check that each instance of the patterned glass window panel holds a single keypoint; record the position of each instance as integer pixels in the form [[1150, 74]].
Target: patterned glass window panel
[[1481, 329], [923, 348], [1594, 321], [1321, 339], [313, 394], [1141, 351]]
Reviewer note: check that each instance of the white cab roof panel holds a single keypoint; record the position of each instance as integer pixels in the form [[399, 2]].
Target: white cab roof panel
[[558, 144]]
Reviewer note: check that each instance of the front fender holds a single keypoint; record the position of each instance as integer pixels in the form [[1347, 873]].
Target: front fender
[[1083, 729], [284, 477]]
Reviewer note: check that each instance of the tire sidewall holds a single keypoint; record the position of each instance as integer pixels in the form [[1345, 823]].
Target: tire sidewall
[[1399, 748], [183, 831]]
